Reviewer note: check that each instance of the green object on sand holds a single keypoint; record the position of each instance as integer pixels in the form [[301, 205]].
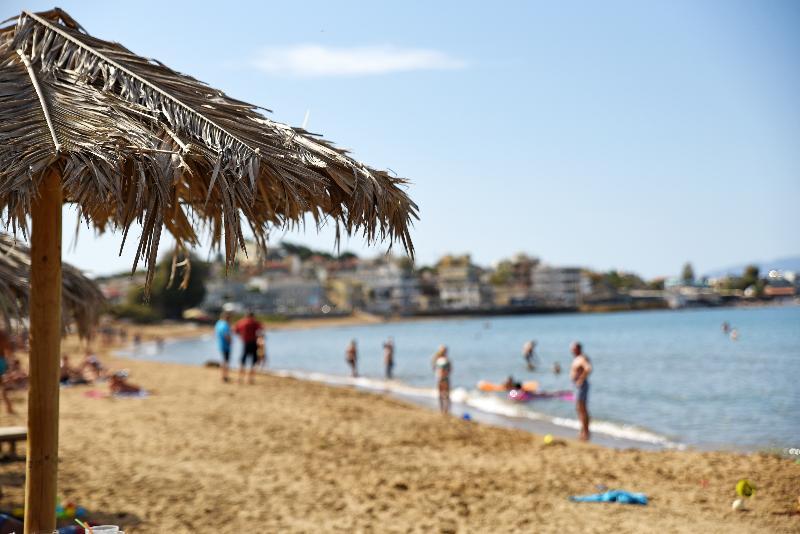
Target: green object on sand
[[744, 488]]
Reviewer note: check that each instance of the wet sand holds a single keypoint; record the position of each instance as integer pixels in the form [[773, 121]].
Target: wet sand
[[293, 456]]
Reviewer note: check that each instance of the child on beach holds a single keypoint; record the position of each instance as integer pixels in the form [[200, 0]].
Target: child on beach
[[261, 352], [119, 384], [443, 367]]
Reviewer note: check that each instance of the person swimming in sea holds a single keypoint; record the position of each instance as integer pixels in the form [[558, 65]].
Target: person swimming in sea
[[388, 357], [529, 354], [443, 368], [351, 357], [510, 383]]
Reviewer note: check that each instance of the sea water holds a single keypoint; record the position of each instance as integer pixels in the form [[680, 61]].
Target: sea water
[[660, 378]]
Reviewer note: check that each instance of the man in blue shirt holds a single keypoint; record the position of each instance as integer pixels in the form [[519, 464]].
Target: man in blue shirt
[[222, 331]]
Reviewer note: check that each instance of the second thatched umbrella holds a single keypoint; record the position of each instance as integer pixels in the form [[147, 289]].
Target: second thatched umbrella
[[128, 140], [81, 298]]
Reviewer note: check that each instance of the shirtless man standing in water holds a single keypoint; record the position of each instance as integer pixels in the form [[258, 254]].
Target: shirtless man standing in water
[[579, 374]]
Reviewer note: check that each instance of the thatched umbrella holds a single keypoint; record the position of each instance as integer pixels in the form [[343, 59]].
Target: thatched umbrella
[[82, 300], [126, 140]]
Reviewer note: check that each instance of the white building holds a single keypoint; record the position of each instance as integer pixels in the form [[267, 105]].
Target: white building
[[292, 295], [388, 286], [460, 286], [682, 294], [559, 286]]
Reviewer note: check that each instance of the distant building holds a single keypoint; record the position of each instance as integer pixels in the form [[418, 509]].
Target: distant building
[[388, 285], [511, 281], [116, 289], [428, 299], [460, 285], [292, 295], [271, 294], [680, 293], [345, 293], [780, 285], [559, 286]]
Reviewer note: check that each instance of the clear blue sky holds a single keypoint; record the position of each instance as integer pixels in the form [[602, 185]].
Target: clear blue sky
[[635, 135]]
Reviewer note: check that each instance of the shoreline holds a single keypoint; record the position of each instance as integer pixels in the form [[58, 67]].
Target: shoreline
[[366, 319], [288, 455], [541, 424], [610, 434]]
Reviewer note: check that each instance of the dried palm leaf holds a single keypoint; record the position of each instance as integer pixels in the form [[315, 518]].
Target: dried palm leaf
[[82, 300], [137, 142]]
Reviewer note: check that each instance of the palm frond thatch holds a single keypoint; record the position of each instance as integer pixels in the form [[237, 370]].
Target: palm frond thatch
[[136, 142], [82, 300]]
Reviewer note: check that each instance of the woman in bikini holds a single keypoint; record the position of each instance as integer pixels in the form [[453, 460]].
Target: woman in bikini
[[443, 367]]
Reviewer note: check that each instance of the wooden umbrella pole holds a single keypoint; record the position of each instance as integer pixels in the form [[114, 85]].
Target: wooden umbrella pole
[[45, 345]]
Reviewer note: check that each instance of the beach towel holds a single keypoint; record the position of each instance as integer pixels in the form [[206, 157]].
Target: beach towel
[[96, 394], [625, 497], [138, 395]]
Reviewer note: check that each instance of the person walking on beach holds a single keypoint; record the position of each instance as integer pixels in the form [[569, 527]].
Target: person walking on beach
[[351, 357], [529, 354], [222, 331], [443, 367], [579, 374], [262, 351], [388, 357], [248, 329]]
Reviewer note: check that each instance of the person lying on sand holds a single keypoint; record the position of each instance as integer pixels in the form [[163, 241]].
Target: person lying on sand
[[118, 383], [91, 369], [70, 375]]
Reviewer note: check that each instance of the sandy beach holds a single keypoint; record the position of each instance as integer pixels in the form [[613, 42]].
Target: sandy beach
[[290, 456]]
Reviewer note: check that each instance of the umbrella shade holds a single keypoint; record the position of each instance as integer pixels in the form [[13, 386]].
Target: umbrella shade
[[128, 140], [82, 300], [135, 141]]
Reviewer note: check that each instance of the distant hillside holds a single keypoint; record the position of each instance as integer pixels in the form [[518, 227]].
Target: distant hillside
[[791, 263]]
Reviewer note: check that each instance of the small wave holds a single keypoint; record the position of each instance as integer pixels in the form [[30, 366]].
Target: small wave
[[371, 384], [499, 406], [620, 431], [487, 403]]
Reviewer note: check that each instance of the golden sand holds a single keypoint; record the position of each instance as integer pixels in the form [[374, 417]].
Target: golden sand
[[290, 456]]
